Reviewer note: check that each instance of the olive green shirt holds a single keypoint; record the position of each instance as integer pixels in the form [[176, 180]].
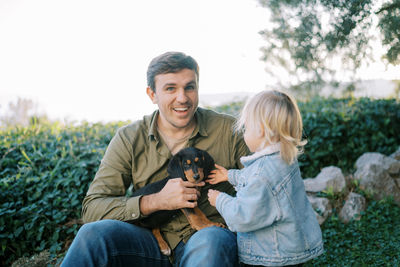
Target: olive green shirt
[[137, 156]]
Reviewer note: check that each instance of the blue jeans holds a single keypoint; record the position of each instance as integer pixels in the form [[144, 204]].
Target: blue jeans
[[116, 243]]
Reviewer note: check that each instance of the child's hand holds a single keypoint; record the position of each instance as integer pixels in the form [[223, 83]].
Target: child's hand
[[212, 196], [218, 175]]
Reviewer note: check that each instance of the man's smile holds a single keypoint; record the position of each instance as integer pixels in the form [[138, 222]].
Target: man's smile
[[181, 109]]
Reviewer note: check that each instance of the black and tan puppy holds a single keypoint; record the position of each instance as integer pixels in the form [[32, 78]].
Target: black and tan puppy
[[191, 164]]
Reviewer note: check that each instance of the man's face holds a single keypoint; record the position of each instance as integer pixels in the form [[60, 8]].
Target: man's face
[[177, 97]]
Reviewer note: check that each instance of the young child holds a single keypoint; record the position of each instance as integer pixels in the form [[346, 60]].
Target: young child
[[274, 221]]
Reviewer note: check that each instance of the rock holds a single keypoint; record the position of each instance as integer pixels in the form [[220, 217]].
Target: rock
[[329, 177], [396, 154], [397, 181], [37, 260], [322, 208], [352, 208], [379, 175], [389, 164]]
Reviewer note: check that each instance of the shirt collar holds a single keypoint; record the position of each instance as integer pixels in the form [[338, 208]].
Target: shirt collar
[[201, 123], [153, 125]]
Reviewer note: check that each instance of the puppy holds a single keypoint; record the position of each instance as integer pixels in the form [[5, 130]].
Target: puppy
[[191, 164]]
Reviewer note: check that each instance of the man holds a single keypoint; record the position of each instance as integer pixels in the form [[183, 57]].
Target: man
[[138, 155]]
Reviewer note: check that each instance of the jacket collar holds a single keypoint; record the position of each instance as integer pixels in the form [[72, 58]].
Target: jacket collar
[[271, 149]]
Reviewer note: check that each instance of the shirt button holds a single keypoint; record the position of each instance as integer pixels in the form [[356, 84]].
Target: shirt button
[[133, 215]]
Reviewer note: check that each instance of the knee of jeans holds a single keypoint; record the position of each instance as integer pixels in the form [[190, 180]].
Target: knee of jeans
[[96, 230], [212, 246], [213, 237]]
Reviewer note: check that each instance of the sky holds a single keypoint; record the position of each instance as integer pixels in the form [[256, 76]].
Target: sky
[[87, 60]]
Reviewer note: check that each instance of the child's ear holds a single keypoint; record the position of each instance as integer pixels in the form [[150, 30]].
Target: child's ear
[[261, 131]]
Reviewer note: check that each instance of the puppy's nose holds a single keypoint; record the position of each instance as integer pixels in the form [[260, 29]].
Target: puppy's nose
[[196, 176]]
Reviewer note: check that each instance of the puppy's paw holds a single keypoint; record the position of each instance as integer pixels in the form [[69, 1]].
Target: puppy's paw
[[166, 251], [221, 225]]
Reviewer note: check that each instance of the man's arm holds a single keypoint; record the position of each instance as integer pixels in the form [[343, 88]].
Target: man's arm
[[107, 201], [176, 194], [106, 197]]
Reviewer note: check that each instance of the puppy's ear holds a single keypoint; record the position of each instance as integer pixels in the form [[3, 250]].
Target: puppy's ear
[[209, 164], [175, 169]]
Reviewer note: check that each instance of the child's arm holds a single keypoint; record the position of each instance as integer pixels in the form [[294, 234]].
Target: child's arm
[[253, 207], [220, 174]]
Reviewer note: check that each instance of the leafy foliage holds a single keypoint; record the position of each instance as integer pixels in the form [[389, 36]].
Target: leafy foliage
[[46, 171], [309, 38], [390, 28], [339, 131]]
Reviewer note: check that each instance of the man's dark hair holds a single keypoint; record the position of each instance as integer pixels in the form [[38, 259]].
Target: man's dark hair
[[170, 62]]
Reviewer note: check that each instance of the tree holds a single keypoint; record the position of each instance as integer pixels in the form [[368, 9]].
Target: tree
[[312, 39], [23, 112]]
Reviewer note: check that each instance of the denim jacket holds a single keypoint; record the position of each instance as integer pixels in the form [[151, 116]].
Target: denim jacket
[[271, 214]]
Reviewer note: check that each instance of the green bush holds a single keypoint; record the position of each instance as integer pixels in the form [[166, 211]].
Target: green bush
[[45, 172], [339, 131]]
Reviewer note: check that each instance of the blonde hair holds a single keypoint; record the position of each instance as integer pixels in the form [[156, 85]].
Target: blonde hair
[[277, 115]]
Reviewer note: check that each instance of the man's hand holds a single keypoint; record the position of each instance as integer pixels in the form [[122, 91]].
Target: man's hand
[[218, 175], [176, 194], [212, 196]]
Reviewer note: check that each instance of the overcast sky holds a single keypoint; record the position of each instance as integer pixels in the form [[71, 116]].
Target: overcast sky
[[87, 59]]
